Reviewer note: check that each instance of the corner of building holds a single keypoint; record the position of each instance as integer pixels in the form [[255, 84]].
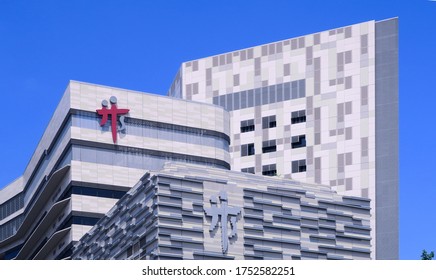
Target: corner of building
[[386, 137]]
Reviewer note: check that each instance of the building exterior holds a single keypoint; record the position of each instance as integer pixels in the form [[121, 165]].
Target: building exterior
[[193, 212], [78, 173], [318, 113], [321, 108]]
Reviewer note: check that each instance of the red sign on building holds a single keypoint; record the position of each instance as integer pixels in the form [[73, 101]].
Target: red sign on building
[[114, 112]]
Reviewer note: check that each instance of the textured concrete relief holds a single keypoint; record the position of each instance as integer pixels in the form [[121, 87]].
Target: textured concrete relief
[[222, 214]]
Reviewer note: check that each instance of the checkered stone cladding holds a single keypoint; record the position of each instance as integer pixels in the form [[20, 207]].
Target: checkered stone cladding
[[320, 87]]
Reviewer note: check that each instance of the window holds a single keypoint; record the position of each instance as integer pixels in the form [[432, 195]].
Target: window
[[247, 150], [129, 251], [260, 96], [298, 141], [132, 251], [96, 192], [298, 116], [248, 170], [299, 166], [10, 228], [269, 122], [81, 220], [269, 146], [269, 170], [11, 206], [247, 126]]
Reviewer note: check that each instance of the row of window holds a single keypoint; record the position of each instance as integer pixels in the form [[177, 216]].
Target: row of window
[[271, 169], [270, 146], [10, 228], [137, 158], [11, 206], [248, 170], [17, 202], [81, 220], [270, 121], [164, 131], [262, 96], [89, 191]]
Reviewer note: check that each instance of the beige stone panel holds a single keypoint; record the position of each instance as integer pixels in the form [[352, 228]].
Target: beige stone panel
[[165, 110], [92, 204], [180, 113], [207, 118], [91, 135], [135, 105], [76, 170], [78, 231], [194, 111], [150, 107], [88, 173], [74, 94], [105, 174]]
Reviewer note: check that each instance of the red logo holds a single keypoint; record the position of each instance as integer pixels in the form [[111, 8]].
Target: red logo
[[114, 112]]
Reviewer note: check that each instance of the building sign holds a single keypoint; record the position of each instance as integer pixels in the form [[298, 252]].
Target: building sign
[[222, 215], [114, 112]]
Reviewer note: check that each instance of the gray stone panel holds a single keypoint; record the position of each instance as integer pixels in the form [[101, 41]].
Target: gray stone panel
[[175, 214], [386, 89]]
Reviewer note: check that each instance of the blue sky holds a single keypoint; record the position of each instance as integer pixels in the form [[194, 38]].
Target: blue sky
[[139, 45]]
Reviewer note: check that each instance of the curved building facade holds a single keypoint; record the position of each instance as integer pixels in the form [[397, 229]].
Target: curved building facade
[[79, 169]]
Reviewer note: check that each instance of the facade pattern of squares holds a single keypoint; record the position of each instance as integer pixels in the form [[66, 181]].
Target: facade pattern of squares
[[320, 86]]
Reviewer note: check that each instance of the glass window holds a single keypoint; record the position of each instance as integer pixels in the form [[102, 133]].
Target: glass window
[[247, 126], [279, 93], [269, 170], [250, 98], [248, 170], [299, 166], [216, 100], [294, 89], [236, 101], [269, 146], [247, 150], [301, 88], [265, 95], [258, 94], [269, 122], [298, 141], [272, 94], [229, 100], [243, 99], [287, 91], [298, 116], [222, 101]]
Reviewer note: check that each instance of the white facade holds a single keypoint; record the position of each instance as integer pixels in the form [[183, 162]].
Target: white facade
[[344, 82]]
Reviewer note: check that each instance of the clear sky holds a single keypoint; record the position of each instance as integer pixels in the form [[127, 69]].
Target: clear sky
[[139, 45]]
